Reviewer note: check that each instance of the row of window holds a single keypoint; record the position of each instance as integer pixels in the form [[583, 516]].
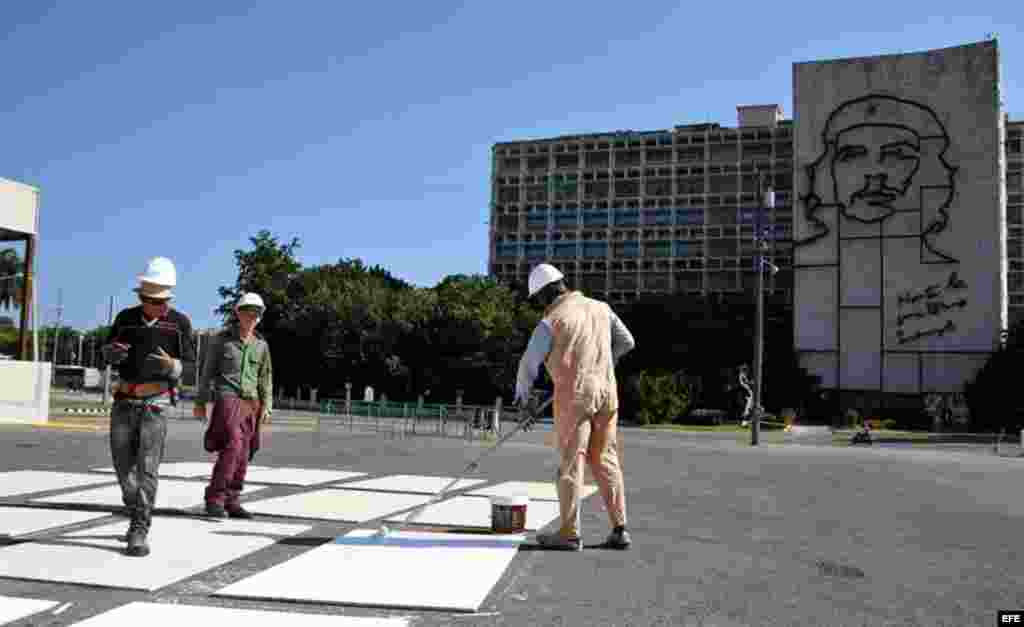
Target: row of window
[[634, 217], [600, 249]]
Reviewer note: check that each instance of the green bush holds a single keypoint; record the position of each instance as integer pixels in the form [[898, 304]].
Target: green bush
[[889, 424], [664, 397]]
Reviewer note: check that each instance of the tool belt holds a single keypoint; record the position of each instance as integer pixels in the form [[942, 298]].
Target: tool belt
[[140, 391]]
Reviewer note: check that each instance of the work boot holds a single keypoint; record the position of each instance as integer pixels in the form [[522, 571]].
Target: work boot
[[137, 546], [618, 539], [216, 510], [558, 542], [237, 511]]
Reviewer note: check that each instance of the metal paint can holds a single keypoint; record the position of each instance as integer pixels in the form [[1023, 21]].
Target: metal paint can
[[508, 514]]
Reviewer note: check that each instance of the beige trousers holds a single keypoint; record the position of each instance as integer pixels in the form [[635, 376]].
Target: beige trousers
[[595, 440]]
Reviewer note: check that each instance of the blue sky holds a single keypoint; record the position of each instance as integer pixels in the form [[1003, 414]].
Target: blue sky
[[364, 129]]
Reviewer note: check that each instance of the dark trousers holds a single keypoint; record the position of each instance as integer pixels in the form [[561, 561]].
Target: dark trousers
[[138, 435], [231, 434]]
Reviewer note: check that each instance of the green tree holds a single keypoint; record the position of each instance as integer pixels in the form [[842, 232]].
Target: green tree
[[10, 282]]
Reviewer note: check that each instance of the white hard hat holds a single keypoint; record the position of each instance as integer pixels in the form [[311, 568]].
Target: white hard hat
[[250, 299], [542, 275], [159, 271]]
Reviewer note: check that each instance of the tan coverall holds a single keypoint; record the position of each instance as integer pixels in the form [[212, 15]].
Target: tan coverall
[[586, 405]]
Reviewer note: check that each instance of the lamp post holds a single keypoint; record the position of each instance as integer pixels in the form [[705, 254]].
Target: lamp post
[[766, 198]]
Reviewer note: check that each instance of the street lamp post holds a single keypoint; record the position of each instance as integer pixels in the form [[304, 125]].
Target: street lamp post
[[766, 198]]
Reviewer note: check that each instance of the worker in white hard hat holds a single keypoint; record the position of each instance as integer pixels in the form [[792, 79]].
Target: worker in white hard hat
[[579, 340], [149, 345], [238, 375]]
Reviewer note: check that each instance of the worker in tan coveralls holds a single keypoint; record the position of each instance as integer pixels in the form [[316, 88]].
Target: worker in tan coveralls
[[579, 340], [238, 375]]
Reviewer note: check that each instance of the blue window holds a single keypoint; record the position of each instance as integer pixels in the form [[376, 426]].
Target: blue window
[[627, 249], [690, 216], [536, 251], [627, 217], [595, 218], [565, 249], [565, 218], [536, 219], [595, 249], [688, 249], [661, 217], [507, 250]]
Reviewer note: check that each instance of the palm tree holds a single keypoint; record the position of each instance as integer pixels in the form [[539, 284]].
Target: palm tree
[[10, 266]]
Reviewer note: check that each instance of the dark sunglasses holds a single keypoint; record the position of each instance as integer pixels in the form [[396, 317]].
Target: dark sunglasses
[[154, 301]]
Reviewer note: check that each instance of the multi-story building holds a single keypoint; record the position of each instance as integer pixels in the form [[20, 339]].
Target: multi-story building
[[1015, 217], [628, 213]]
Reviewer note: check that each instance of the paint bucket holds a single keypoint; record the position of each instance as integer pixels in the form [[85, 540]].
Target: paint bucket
[[508, 514]]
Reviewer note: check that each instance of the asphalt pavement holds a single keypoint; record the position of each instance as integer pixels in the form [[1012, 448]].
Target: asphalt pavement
[[725, 534]]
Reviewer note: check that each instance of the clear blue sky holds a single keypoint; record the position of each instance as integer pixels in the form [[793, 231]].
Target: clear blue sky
[[364, 129]]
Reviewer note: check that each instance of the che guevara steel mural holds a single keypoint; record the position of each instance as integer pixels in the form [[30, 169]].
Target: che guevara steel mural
[[883, 156]]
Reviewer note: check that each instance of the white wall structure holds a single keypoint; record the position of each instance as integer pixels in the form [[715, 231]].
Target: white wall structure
[[899, 221], [24, 385]]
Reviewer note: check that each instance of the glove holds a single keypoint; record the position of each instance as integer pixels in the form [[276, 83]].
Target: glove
[[115, 352], [160, 361]]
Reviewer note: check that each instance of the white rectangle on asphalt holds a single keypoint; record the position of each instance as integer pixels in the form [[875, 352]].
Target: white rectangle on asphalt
[[416, 484], [179, 548], [176, 615], [16, 608], [30, 481], [170, 494], [297, 476], [475, 512], [17, 521], [536, 490], [336, 504], [405, 569]]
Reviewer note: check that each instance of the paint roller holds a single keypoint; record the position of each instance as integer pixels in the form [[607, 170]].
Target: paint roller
[[383, 530]]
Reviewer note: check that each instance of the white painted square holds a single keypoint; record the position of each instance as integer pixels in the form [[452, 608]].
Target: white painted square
[[404, 569], [297, 476], [536, 490], [17, 521], [16, 608], [337, 504], [475, 512], [417, 484], [170, 494], [175, 615], [179, 548], [30, 481]]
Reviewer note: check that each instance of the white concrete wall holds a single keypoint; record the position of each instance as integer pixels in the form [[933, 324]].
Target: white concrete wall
[[25, 391], [18, 206], [899, 157]]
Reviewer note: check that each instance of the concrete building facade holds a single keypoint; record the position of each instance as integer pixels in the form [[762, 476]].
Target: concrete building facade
[[900, 274], [626, 213]]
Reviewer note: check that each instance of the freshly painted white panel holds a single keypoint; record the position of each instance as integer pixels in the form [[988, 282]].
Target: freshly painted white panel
[[16, 521], [475, 511], [536, 490], [170, 494], [16, 608], [184, 470], [399, 570], [176, 615], [297, 476], [30, 481], [180, 548], [337, 504], [412, 483]]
